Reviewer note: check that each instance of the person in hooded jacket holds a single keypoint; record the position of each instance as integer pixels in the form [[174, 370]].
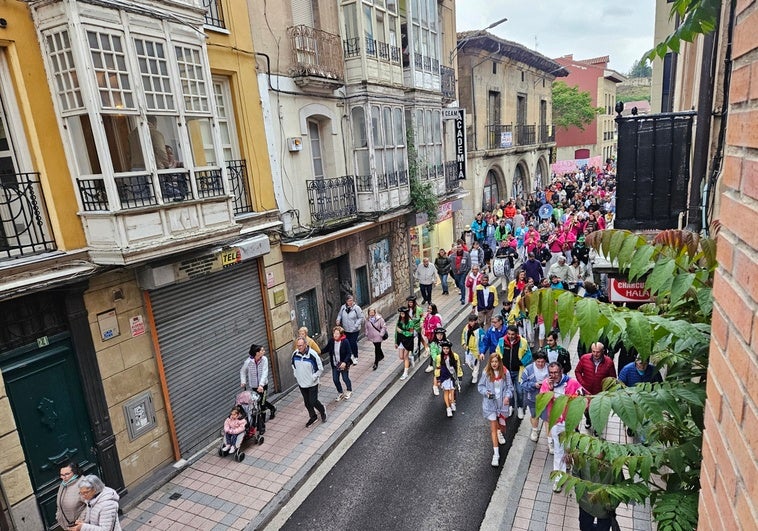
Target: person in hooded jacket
[[496, 388], [101, 511]]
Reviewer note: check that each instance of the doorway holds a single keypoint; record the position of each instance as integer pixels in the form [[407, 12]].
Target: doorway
[[337, 285]]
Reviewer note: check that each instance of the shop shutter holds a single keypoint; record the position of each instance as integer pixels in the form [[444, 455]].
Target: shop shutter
[[205, 328]]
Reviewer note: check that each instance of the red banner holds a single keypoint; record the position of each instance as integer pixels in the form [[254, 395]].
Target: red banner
[[623, 291]]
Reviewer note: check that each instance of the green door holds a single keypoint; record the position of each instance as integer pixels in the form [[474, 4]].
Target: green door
[[48, 405]]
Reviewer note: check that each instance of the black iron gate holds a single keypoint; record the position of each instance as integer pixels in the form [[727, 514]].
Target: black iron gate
[[653, 169]]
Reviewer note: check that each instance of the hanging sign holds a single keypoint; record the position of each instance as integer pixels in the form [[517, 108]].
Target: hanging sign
[[459, 115]]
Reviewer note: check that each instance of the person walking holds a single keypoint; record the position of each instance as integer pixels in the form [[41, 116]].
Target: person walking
[[303, 332], [555, 352], [101, 510], [560, 385], [69, 505], [404, 333], [442, 265], [426, 275], [473, 279], [531, 382], [376, 332], [590, 372], [432, 321], [460, 265], [496, 388], [448, 375], [440, 335], [471, 338], [416, 313], [516, 353], [485, 300], [340, 357], [307, 368], [255, 374], [350, 318]]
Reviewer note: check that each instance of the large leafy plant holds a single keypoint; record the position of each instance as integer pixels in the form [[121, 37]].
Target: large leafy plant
[[674, 333]]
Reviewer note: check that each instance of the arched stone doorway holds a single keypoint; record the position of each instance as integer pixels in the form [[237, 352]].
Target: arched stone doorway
[[491, 191], [518, 190], [541, 175]]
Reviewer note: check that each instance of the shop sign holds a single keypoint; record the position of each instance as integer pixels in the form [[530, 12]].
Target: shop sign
[[444, 211], [623, 291], [459, 115], [210, 263]]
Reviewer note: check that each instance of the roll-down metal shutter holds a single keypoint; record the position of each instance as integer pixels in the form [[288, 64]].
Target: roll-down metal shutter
[[205, 328]]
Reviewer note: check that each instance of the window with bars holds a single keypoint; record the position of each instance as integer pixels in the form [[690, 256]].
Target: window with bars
[[156, 80], [111, 73], [192, 78], [64, 72]]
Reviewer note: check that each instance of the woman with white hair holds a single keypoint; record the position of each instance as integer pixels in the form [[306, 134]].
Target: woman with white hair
[[101, 511]]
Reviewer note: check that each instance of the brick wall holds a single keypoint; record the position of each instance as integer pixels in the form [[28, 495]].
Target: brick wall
[[729, 496]]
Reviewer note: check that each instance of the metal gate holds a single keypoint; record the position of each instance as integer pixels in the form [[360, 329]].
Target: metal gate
[[205, 328]]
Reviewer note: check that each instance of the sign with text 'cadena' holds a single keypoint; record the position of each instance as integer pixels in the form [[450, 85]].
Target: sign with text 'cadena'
[[623, 291]]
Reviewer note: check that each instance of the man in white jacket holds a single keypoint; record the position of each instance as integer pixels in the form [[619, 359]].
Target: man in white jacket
[[307, 368], [425, 274]]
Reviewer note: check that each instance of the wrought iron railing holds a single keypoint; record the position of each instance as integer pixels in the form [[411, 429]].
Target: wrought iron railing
[[547, 133], [315, 53], [363, 183], [23, 216], [447, 83], [351, 47], [93, 194], [402, 177], [175, 186], [451, 176], [525, 134], [500, 136], [210, 183], [135, 191], [332, 199], [370, 46], [395, 55], [238, 183], [214, 13], [418, 61], [427, 63]]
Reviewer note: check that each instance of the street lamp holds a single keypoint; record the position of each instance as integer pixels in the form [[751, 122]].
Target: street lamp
[[478, 33]]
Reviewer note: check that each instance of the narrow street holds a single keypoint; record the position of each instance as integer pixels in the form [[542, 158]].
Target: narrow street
[[413, 468]]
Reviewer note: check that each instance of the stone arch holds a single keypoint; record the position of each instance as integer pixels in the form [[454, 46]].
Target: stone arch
[[493, 189], [541, 174], [520, 182], [319, 111]]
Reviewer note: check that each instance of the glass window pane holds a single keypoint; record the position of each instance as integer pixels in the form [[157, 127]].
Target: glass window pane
[[201, 142], [388, 140], [359, 127], [83, 145], [153, 67], [399, 128], [192, 78], [376, 130], [111, 75]]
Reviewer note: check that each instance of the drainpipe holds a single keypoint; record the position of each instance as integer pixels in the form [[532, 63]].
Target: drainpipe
[[703, 128]]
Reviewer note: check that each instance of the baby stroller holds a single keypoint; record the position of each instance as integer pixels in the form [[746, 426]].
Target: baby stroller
[[256, 423]]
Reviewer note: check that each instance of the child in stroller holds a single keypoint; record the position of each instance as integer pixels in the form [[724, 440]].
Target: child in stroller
[[247, 407]]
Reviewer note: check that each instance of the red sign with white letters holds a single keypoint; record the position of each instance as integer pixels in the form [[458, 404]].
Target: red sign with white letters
[[623, 291]]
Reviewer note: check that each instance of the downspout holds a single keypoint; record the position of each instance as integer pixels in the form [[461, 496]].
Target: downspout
[[703, 128]]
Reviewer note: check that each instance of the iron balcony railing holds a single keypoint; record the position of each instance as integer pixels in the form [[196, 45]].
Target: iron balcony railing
[[214, 13], [500, 136], [384, 181], [447, 83], [316, 53], [23, 216], [547, 133], [332, 200], [237, 170], [351, 47], [525, 134], [451, 176], [374, 48]]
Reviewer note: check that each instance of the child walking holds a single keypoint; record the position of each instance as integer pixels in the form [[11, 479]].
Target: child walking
[[497, 389], [234, 430], [448, 373]]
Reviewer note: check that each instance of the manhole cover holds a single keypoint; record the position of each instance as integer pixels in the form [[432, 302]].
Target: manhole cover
[[175, 495]]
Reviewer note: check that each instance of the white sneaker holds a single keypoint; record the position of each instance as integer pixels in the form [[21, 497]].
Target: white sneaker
[[348, 394], [413, 361], [225, 448], [436, 390], [405, 375], [535, 435], [340, 397], [449, 412], [495, 460], [550, 447], [474, 379], [500, 437], [429, 369], [452, 406], [354, 360], [521, 412]]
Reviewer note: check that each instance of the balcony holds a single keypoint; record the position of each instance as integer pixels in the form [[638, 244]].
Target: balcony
[[317, 59], [383, 192], [214, 13], [547, 134], [451, 176], [139, 216], [237, 170], [332, 201], [447, 84], [23, 217], [525, 134]]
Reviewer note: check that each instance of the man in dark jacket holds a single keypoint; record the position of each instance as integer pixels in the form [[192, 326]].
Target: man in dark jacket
[[533, 269], [460, 264]]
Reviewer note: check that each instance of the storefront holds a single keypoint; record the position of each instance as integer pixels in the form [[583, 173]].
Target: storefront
[[426, 242], [207, 310]]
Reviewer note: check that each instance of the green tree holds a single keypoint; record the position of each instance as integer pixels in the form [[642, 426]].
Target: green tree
[[674, 334], [423, 197], [572, 106], [641, 68], [695, 17]]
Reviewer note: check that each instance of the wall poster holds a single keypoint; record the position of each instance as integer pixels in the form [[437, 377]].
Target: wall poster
[[380, 267]]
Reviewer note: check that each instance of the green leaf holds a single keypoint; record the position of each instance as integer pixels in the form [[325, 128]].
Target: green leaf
[[600, 410], [566, 314], [705, 301], [558, 406], [660, 276], [682, 283], [575, 412], [641, 262], [587, 315], [617, 240], [627, 250], [639, 332], [543, 399]]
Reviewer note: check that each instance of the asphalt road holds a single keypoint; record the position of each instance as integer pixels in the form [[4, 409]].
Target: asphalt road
[[413, 468]]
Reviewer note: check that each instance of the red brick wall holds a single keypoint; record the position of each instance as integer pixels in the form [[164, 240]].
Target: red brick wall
[[729, 495]]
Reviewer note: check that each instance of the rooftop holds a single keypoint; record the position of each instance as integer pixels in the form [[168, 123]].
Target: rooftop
[[485, 41]]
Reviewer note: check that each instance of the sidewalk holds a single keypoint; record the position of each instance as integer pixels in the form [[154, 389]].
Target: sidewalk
[[215, 493]]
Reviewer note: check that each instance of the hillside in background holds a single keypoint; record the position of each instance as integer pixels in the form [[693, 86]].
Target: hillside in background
[[634, 89]]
